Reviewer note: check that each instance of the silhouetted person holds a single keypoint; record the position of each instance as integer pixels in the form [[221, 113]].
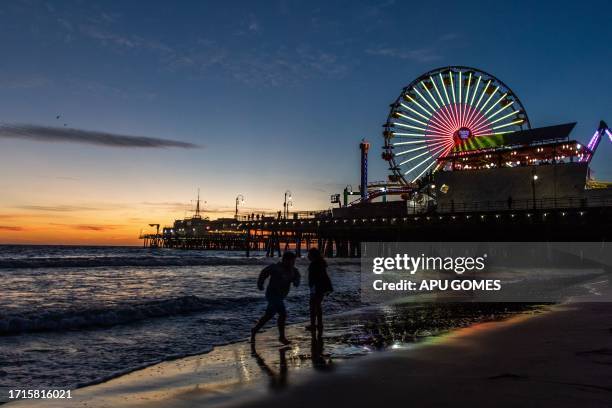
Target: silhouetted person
[[282, 275], [509, 202], [320, 285]]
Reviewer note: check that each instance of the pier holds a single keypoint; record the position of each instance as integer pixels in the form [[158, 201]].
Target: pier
[[568, 220], [459, 171]]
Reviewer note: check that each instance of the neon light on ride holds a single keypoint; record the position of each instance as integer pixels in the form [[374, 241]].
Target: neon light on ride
[[441, 110]]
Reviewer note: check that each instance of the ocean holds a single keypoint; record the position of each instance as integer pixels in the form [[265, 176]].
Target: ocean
[[72, 315]]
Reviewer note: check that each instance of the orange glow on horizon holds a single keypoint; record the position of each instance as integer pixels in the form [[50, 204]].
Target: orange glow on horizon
[[119, 226]]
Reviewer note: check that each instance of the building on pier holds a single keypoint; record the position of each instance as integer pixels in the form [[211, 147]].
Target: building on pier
[[465, 164]]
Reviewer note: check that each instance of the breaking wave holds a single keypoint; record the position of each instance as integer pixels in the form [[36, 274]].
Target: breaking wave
[[84, 262], [120, 314]]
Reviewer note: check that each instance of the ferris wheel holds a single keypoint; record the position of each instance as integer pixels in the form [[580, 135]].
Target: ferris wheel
[[443, 111]]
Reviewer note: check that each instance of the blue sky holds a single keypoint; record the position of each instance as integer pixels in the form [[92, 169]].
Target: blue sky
[[277, 93]]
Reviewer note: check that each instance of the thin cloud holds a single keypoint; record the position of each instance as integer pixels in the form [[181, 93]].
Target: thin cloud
[[169, 206], [10, 228], [449, 37], [254, 25], [204, 207], [87, 227], [110, 37], [96, 228], [260, 66], [23, 82], [71, 135], [56, 208], [418, 55]]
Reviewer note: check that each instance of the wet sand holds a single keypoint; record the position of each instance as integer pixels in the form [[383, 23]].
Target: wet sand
[[228, 373], [236, 372], [557, 359], [561, 358]]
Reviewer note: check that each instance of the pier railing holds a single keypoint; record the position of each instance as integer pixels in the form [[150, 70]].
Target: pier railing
[[276, 216], [446, 207], [521, 205]]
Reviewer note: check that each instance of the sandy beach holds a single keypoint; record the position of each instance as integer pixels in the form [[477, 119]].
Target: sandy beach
[[562, 358], [557, 356]]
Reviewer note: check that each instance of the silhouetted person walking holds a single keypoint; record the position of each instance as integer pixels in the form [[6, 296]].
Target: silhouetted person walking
[[282, 275], [320, 285]]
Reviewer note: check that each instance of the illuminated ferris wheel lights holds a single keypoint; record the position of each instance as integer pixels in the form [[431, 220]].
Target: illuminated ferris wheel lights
[[426, 101], [432, 157], [429, 136], [435, 101], [419, 148], [497, 112], [414, 111], [398, 114], [430, 94], [436, 88], [413, 158], [478, 105], [444, 88], [494, 133], [418, 104], [443, 127], [452, 85], [487, 119], [483, 93], [410, 142], [459, 86], [423, 172], [402, 134], [467, 85], [466, 82], [444, 117], [440, 124], [495, 104], [489, 98], [516, 122], [409, 126], [475, 89], [504, 117], [448, 114]]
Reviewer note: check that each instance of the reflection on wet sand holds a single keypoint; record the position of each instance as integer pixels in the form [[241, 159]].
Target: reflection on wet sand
[[235, 372], [278, 379]]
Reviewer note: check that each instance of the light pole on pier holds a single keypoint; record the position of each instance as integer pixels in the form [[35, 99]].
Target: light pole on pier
[[239, 201], [287, 203], [534, 178]]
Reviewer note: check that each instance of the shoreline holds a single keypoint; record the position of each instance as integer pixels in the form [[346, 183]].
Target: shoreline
[[235, 374], [232, 372], [562, 359]]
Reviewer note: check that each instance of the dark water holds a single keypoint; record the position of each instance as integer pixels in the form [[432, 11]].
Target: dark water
[[75, 315]]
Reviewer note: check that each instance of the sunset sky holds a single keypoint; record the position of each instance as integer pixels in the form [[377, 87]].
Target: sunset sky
[[262, 96]]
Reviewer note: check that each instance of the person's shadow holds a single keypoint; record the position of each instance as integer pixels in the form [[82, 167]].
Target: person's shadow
[[278, 381], [316, 354]]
